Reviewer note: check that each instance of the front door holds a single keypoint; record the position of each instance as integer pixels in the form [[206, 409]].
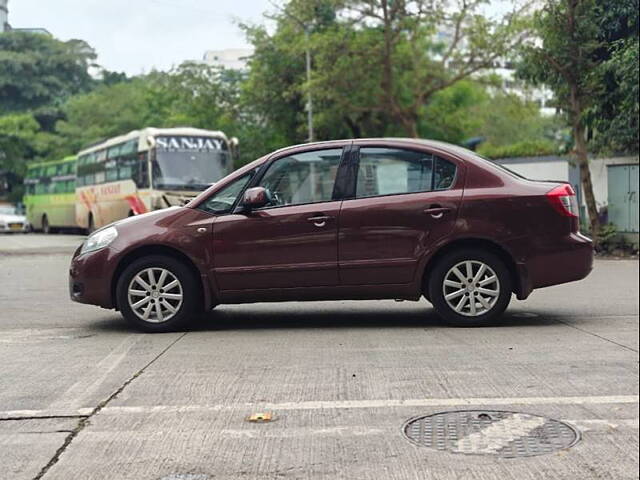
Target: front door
[[292, 242], [405, 201]]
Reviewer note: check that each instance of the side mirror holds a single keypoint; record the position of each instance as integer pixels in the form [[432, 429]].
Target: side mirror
[[255, 197]]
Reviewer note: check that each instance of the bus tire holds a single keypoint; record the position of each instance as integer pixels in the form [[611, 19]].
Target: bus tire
[[46, 229], [91, 226]]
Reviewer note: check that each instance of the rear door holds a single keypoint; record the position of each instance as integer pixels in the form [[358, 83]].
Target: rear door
[[404, 202]]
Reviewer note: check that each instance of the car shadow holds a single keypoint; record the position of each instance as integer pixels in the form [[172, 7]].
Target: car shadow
[[281, 316]]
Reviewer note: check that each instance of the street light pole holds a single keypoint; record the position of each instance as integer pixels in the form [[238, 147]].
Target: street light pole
[[309, 96]]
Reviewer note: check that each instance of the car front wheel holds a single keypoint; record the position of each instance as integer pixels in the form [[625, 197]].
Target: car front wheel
[[470, 287], [158, 294]]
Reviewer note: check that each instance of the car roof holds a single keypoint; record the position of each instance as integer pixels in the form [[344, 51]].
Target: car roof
[[436, 145]]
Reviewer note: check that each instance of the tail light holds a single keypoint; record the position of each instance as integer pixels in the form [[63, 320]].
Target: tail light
[[563, 199]]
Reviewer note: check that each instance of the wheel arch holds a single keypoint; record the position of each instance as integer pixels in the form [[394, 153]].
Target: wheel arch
[[147, 250], [481, 243]]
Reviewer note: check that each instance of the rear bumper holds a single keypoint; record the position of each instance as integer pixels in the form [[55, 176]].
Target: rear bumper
[[563, 260], [90, 278]]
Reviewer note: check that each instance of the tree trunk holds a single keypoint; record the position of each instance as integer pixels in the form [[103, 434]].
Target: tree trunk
[[356, 131], [585, 179]]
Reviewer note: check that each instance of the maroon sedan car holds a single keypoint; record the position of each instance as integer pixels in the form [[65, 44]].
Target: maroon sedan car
[[349, 219]]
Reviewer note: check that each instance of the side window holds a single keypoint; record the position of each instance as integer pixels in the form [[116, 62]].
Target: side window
[[223, 200], [386, 171], [306, 177]]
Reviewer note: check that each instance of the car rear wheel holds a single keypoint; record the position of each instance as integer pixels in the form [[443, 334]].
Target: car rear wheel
[[158, 294], [470, 287]]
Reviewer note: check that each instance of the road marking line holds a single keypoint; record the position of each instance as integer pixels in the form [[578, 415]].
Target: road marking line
[[421, 402], [337, 404], [499, 434]]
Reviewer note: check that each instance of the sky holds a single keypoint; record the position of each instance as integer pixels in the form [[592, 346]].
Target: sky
[[136, 36]]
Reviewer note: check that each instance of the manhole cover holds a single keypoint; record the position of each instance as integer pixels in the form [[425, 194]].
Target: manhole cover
[[487, 432]]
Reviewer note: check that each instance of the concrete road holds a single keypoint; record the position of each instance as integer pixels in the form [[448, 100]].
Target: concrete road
[[84, 397]]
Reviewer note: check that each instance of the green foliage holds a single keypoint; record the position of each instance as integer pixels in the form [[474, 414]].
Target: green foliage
[[377, 64], [107, 111], [614, 115], [525, 148], [17, 134], [565, 60], [36, 70]]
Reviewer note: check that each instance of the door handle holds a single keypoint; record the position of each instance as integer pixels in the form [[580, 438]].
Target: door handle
[[436, 211], [319, 220]]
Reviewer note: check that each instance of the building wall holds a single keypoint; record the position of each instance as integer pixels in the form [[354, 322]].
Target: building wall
[[232, 58], [564, 169], [542, 168]]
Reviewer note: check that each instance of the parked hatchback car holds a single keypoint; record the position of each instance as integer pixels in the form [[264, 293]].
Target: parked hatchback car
[[12, 221], [350, 219]]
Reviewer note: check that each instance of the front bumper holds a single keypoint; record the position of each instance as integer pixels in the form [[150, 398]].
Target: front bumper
[[14, 227], [90, 277]]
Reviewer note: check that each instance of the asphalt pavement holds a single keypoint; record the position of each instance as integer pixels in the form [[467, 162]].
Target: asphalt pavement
[[82, 396]]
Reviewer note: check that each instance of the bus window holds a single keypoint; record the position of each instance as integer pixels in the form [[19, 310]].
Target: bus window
[[59, 187], [111, 167]]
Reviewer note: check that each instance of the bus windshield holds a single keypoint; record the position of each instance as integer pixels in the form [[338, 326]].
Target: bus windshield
[[189, 163]]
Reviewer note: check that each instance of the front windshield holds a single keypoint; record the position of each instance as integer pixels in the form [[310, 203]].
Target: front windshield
[[189, 163], [4, 210]]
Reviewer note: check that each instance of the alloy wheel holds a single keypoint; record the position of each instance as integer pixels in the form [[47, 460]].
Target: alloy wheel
[[471, 288], [155, 295]]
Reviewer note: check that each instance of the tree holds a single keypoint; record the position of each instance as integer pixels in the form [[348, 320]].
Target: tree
[[565, 61], [418, 48], [107, 111], [17, 134], [614, 115], [37, 70]]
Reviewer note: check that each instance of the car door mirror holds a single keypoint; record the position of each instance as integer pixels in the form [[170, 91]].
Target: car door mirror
[[255, 197]]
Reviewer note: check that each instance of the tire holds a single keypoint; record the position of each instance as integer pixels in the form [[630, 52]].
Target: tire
[[46, 229], [91, 226], [188, 288], [486, 308]]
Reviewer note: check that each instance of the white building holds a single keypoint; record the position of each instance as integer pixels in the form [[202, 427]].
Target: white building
[[231, 58], [4, 16], [4, 22]]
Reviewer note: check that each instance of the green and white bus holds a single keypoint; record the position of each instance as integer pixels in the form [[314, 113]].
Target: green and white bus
[[50, 195]]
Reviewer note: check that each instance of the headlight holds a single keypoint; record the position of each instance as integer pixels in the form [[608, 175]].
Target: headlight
[[99, 239]]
